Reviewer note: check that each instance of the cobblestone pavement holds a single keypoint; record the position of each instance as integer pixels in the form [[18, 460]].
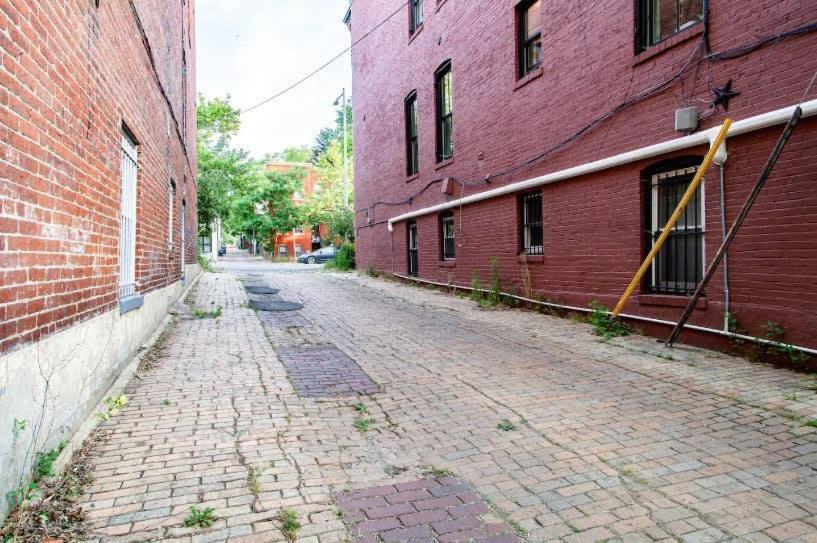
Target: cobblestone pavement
[[549, 433]]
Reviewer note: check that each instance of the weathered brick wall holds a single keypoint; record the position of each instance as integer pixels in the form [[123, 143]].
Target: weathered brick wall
[[593, 224], [70, 74]]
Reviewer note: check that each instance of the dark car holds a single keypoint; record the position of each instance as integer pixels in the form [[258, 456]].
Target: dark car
[[222, 250], [319, 256]]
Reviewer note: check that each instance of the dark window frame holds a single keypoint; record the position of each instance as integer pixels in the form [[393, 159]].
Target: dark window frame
[[531, 224], [413, 255], [444, 119], [412, 136], [448, 245], [645, 23], [525, 42], [415, 15], [664, 184]]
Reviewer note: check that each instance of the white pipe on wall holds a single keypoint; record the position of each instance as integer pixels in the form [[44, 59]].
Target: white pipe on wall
[[752, 124]]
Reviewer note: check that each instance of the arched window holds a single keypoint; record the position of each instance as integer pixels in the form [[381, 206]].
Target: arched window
[[679, 266]]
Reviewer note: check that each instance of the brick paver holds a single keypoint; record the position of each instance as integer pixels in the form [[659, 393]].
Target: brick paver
[[609, 441]]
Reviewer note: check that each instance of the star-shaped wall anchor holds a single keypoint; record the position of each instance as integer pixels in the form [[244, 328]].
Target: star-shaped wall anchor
[[723, 95]]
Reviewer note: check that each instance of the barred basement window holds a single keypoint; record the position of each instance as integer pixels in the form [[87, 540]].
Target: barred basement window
[[171, 201], [529, 30], [127, 216], [660, 19], [445, 123], [415, 15], [679, 265], [531, 234], [413, 256], [412, 138], [447, 235]]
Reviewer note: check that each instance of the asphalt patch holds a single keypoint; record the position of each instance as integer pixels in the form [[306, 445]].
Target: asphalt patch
[[274, 305], [261, 290]]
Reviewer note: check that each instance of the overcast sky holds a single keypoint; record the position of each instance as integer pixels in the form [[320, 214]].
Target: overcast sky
[[252, 49]]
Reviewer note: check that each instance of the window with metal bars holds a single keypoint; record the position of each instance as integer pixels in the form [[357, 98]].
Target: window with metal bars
[[445, 124], [127, 216], [413, 256], [171, 203], [412, 138], [415, 15], [660, 19], [447, 235], [531, 234], [679, 265], [529, 30]]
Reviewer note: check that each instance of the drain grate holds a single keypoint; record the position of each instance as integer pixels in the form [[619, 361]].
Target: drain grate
[[274, 305], [325, 371], [252, 289]]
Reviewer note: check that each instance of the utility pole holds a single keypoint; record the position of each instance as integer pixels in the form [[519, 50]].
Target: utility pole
[[345, 147]]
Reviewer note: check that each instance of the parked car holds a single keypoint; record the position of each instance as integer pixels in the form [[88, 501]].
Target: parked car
[[319, 256], [222, 250]]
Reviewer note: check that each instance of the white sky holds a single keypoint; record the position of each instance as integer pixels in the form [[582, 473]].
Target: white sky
[[251, 49]]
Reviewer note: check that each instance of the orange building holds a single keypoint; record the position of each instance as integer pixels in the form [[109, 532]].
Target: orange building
[[293, 244]]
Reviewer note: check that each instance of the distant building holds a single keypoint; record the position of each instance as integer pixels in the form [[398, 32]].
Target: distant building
[[97, 204], [543, 134], [299, 241]]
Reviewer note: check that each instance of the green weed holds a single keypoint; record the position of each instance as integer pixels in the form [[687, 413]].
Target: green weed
[[506, 426], [290, 524], [360, 407], [363, 425], [604, 324], [203, 518], [45, 462], [202, 314]]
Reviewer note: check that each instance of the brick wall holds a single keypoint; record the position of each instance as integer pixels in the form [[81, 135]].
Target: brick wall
[[71, 74], [593, 224]]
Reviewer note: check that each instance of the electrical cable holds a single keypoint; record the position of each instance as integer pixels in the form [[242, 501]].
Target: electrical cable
[[728, 54], [325, 64]]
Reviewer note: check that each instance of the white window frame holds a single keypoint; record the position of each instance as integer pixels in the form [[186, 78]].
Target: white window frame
[[655, 181], [127, 217], [171, 197]]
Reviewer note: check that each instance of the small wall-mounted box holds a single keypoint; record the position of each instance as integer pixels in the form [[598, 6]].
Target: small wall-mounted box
[[686, 119]]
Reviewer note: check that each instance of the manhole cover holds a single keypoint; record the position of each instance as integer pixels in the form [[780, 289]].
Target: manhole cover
[[261, 290], [274, 305]]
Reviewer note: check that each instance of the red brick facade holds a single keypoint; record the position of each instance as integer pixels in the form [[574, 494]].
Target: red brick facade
[[72, 74], [298, 243], [594, 225]]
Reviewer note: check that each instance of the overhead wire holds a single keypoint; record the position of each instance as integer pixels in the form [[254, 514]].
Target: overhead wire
[[708, 56]]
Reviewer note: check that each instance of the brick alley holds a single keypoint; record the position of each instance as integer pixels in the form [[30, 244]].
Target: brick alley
[[385, 412]]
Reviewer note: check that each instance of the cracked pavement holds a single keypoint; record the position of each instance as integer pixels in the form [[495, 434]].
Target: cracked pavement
[[610, 441]]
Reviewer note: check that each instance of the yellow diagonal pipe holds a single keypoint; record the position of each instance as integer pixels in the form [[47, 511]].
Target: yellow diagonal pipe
[[690, 192]]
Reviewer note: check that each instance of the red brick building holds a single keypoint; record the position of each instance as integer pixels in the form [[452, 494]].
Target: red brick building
[[543, 134], [299, 241], [97, 201]]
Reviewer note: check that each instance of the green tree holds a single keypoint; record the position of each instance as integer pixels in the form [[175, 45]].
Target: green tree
[[266, 209], [224, 171], [296, 153]]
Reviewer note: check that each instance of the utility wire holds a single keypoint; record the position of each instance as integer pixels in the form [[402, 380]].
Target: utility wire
[[325, 64], [728, 54]]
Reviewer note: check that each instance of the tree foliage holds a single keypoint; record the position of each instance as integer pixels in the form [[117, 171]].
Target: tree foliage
[[224, 171]]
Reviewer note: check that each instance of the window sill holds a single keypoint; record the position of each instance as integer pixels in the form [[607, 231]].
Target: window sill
[[411, 178], [668, 43], [531, 259], [533, 74], [443, 163], [131, 303], [448, 263], [413, 35], [668, 300]]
